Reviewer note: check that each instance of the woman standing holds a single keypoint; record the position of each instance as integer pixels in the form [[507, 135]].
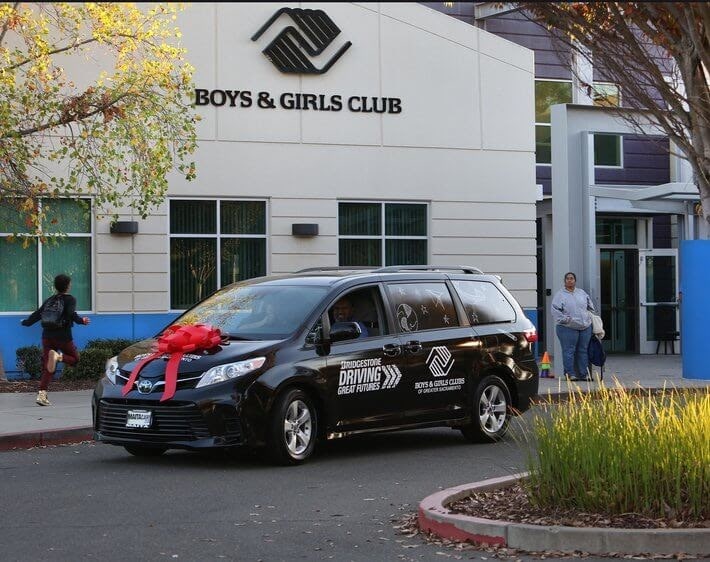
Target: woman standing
[[570, 310]]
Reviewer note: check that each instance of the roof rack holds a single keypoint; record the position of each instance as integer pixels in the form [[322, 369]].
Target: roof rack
[[396, 268], [335, 268]]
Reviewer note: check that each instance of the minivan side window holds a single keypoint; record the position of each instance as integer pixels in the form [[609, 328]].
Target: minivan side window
[[422, 306], [484, 303]]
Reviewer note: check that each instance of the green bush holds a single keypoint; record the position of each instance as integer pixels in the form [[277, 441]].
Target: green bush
[[29, 360], [92, 360], [115, 345]]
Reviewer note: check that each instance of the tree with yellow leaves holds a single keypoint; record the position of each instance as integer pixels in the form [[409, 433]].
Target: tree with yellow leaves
[[115, 138]]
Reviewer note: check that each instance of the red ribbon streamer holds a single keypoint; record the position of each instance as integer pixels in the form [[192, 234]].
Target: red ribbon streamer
[[176, 340]]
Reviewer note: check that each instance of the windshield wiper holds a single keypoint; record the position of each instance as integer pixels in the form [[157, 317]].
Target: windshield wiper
[[233, 337]]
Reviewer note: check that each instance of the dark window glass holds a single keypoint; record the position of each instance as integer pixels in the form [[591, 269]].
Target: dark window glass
[[193, 217], [484, 303], [367, 310], [193, 270], [70, 255], [359, 252], [607, 150], [406, 252], [242, 258], [543, 144], [405, 219], [66, 215], [18, 291], [422, 306], [360, 219], [243, 217], [616, 231]]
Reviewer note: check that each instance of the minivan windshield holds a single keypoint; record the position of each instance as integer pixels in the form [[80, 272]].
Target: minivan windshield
[[256, 312]]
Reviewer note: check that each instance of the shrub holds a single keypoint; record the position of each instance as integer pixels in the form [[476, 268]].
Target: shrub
[[29, 360], [621, 452], [92, 361]]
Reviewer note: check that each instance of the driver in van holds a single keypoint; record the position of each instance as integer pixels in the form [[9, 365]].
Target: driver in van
[[343, 311]]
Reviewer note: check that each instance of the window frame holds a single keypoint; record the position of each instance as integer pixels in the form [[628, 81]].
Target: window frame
[[218, 237], [549, 125], [384, 237], [92, 250]]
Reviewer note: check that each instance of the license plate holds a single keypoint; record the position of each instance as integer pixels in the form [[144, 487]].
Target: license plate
[[139, 418]]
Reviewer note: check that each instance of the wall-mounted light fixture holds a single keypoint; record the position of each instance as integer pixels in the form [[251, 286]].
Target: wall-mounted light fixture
[[304, 229], [124, 227]]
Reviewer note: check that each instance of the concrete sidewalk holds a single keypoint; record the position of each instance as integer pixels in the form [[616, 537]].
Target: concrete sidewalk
[[23, 424]]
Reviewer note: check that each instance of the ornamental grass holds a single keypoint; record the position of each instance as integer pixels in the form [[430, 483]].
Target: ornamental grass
[[622, 451]]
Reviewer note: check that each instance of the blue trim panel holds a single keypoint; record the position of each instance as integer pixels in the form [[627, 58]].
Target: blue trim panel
[[128, 326], [531, 314]]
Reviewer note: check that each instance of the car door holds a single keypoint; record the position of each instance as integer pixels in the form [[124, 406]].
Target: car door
[[435, 346], [364, 375]]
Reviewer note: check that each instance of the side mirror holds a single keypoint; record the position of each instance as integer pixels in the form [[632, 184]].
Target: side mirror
[[341, 331]]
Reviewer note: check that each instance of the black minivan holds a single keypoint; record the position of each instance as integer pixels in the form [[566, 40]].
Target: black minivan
[[281, 362]]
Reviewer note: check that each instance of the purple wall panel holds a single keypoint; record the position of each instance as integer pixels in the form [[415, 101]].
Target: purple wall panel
[[646, 162], [543, 175]]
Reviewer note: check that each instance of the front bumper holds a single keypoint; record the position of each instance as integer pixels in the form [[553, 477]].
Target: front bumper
[[193, 419]]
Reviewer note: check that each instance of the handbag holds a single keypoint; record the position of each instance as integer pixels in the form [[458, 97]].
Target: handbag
[[596, 353]]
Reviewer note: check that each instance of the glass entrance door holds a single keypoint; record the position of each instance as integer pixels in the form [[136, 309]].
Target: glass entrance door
[[658, 292], [619, 302]]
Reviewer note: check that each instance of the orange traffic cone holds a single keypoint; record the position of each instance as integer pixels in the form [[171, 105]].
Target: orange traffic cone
[[545, 372]]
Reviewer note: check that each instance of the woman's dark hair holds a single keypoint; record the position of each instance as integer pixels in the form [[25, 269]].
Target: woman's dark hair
[[572, 274], [61, 282]]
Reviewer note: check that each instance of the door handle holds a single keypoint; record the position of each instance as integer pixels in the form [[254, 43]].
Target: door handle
[[413, 347], [392, 350]]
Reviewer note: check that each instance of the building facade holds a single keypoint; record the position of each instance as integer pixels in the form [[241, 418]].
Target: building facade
[[615, 203], [407, 138]]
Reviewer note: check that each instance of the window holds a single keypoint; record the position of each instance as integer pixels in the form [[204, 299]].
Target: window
[[606, 95], [547, 93], [369, 232], [484, 303], [616, 231], [422, 306], [213, 244], [29, 271], [363, 306], [608, 150]]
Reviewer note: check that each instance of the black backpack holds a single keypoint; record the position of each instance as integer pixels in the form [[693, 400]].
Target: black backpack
[[53, 313], [597, 355]]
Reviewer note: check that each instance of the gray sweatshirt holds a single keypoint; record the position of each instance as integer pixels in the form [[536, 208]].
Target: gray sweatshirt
[[572, 309]]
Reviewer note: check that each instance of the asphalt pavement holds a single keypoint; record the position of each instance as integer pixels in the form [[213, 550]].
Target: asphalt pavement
[[24, 424]]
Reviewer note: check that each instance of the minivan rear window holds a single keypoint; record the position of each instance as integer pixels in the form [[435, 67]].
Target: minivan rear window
[[484, 303], [256, 312]]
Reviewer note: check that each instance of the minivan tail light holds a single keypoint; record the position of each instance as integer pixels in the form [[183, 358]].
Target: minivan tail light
[[530, 335]]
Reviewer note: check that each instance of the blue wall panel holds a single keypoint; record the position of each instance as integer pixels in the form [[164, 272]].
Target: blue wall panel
[[128, 326], [695, 307]]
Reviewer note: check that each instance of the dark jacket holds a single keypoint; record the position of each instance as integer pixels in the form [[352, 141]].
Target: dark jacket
[[69, 314]]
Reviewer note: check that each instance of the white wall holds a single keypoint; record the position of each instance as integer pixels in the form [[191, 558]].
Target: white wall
[[464, 143]]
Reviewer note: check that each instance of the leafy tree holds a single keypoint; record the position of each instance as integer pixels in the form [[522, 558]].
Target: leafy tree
[[658, 53], [115, 136]]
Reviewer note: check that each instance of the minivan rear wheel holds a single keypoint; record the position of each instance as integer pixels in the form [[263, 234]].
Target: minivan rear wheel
[[293, 428], [490, 416], [138, 451]]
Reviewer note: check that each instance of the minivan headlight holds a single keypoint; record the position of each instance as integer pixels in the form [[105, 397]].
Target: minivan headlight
[[112, 369], [222, 373]]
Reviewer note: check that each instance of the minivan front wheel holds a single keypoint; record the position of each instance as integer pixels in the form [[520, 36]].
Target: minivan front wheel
[[490, 416], [293, 428]]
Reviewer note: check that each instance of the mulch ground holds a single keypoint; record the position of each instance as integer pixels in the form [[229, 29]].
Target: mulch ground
[[512, 504], [55, 386]]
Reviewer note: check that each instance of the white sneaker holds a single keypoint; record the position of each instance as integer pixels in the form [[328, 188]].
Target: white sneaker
[[42, 398]]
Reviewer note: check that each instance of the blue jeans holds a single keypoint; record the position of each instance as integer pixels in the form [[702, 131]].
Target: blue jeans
[[574, 349]]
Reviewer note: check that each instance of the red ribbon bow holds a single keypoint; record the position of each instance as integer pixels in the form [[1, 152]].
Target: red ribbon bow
[[177, 341]]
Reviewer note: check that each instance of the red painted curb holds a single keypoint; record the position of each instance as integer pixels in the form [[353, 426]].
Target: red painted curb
[[29, 439]]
